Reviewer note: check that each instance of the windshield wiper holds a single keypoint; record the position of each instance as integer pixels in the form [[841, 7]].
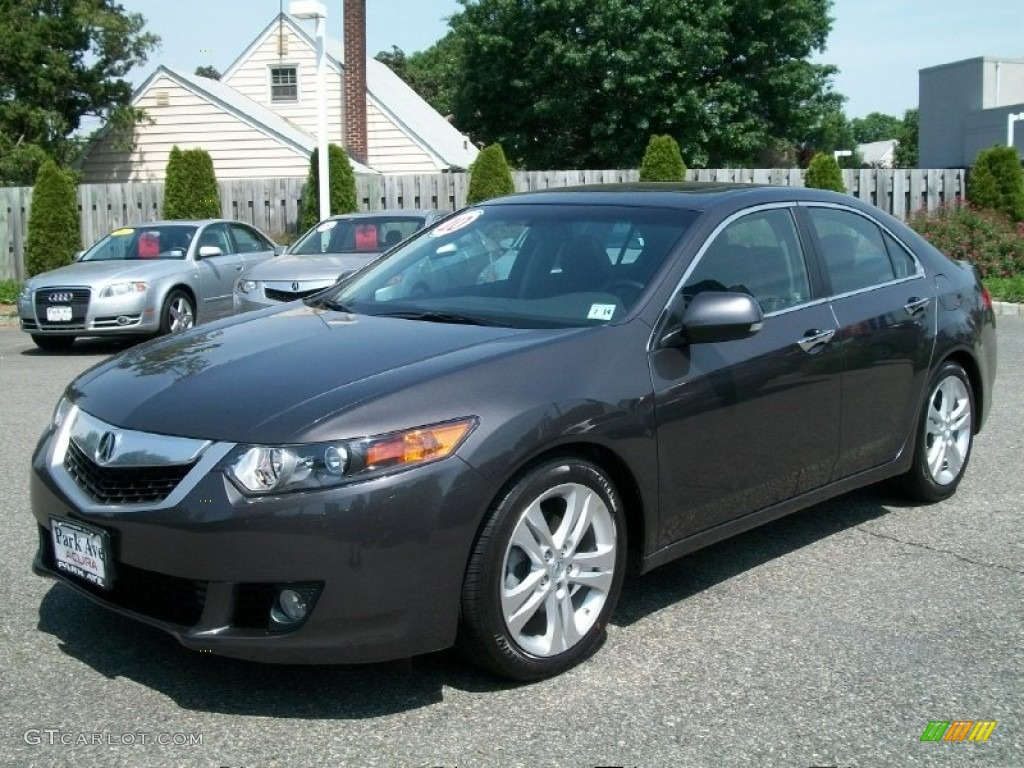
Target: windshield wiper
[[336, 306], [444, 317]]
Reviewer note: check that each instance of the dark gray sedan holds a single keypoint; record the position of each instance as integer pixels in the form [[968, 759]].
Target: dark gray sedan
[[594, 382]]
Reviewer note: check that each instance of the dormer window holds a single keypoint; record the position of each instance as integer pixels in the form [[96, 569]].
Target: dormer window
[[284, 84]]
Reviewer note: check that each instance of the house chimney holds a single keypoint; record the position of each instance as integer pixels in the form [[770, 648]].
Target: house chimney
[[355, 79]]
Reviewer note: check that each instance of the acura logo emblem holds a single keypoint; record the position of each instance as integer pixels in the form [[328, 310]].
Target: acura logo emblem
[[295, 286], [61, 298], [105, 450]]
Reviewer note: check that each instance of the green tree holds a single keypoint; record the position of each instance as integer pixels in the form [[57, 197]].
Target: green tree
[[190, 188], [60, 62], [208, 71], [433, 73], [342, 183], [906, 150], [875, 127], [824, 173], [996, 182], [489, 176], [577, 83], [662, 161], [832, 132], [54, 231]]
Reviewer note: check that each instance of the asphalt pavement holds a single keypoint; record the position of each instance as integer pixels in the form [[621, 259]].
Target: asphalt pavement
[[830, 638]]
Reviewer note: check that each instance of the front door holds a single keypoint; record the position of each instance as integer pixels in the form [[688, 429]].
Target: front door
[[217, 274]]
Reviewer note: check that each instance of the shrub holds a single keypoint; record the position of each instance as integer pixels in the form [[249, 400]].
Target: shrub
[[190, 190], [823, 173], [489, 176], [662, 161], [1006, 288], [341, 182], [54, 232], [9, 290], [997, 182], [987, 239]]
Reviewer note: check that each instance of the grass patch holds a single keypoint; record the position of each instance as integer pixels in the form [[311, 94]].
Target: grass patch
[[1006, 288], [9, 290]]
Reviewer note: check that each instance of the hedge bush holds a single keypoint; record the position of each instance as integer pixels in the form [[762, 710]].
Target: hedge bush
[[489, 176], [987, 239], [341, 182], [823, 173], [662, 161], [190, 189], [54, 230], [996, 181]]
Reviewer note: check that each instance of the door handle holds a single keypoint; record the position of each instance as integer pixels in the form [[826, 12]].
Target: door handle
[[915, 306], [814, 340]]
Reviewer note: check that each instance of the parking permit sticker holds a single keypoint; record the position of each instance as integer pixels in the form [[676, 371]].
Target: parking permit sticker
[[121, 232], [601, 312], [456, 223], [327, 226]]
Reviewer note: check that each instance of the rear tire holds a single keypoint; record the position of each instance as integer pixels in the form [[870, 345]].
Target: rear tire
[[178, 313], [945, 436], [545, 573], [53, 343]]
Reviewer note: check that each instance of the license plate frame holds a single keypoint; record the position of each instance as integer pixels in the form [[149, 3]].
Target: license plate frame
[[59, 314], [82, 552]]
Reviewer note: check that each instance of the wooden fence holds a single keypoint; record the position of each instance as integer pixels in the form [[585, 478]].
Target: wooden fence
[[273, 205]]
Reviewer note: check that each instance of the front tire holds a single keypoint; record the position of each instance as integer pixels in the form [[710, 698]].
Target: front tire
[[178, 313], [545, 573], [52, 343], [945, 436]]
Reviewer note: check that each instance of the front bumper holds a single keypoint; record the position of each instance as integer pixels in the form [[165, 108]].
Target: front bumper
[[91, 315], [205, 564]]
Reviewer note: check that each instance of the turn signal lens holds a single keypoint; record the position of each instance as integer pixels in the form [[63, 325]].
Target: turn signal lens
[[417, 445]]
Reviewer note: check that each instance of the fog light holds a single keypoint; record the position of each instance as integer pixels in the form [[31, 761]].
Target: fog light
[[292, 605], [122, 320]]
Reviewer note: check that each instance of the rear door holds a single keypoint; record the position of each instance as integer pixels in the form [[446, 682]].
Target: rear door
[[885, 310], [745, 424]]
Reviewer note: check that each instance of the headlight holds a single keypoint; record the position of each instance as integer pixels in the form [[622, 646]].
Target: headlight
[[60, 412], [121, 289], [25, 294], [246, 286], [262, 469]]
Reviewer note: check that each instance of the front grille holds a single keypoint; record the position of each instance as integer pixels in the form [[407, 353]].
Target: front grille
[[275, 295], [76, 298], [165, 598], [122, 485]]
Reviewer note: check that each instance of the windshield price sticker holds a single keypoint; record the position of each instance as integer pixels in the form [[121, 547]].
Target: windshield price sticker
[[601, 312], [456, 223], [122, 232], [327, 226]]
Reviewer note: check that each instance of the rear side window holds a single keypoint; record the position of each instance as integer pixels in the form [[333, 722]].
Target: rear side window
[[854, 252], [758, 254], [903, 264]]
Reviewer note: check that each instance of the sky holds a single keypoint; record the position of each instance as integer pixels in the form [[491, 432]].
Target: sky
[[878, 45]]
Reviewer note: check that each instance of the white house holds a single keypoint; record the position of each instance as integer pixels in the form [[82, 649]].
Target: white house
[[260, 119]]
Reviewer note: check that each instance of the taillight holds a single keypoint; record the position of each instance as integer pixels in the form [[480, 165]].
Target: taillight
[[986, 298]]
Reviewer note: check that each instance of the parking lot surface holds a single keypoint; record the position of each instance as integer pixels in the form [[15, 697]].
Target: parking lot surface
[[830, 638]]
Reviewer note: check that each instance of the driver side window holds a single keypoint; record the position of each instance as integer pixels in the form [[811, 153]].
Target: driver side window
[[758, 254]]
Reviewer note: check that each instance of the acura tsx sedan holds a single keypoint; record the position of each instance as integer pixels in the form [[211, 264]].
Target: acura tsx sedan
[[152, 278], [370, 473]]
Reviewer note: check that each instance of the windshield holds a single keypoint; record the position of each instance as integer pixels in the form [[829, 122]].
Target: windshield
[[532, 266], [362, 235], [165, 241]]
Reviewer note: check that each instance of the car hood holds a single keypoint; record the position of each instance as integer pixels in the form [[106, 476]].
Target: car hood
[[92, 272], [270, 376], [326, 266]]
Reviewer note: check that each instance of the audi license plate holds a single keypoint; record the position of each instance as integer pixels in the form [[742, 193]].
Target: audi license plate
[[58, 314], [81, 551]]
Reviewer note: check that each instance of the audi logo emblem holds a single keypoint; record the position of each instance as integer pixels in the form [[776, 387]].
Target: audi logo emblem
[[62, 297], [295, 286]]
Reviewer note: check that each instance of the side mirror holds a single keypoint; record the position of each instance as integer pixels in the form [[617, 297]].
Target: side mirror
[[712, 316], [280, 250], [78, 255], [206, 251]]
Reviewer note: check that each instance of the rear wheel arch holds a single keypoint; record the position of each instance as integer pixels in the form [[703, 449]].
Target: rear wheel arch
[[970, 366]]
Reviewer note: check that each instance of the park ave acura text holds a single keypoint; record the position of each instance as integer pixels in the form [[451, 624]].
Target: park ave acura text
[[471, 440]]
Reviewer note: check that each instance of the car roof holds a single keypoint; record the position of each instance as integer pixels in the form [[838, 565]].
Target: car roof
[[694, 196], [394, 212]]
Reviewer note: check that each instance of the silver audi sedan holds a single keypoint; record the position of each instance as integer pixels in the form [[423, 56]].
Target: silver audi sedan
[[327, 252], [154, 278]]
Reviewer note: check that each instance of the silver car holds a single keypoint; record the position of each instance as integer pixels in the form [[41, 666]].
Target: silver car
[[326, 253], [153, 278]]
